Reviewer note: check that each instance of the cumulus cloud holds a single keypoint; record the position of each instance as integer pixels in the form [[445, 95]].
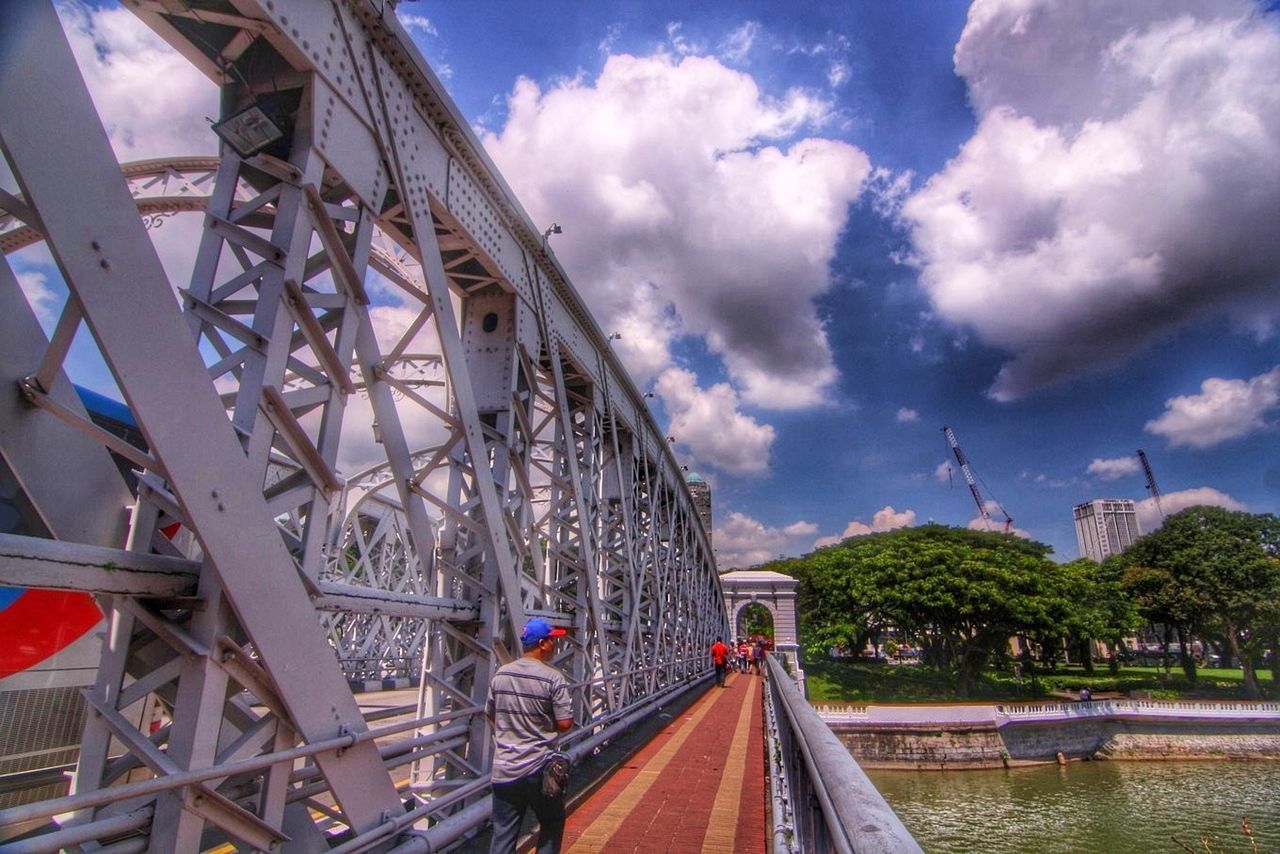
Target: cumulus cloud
[[907, 416], [708, 423], [1223, 410], [44, 300], [1122, 181], [942, 473], [1149, 515], [742, 541], [152, 101], [977, 523], [719, 213], [885, 519], [1113, 469]]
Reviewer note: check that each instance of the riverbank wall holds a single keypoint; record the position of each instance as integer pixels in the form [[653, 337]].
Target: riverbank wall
[[992, 736]]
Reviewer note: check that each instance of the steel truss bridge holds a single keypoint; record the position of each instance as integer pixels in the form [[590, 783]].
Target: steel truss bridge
[[246, 580]]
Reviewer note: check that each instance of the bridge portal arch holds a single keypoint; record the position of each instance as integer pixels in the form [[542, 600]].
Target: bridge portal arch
[[777, 593]]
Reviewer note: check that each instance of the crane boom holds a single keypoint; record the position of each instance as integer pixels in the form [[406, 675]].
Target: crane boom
[[971, 481], [1151, 481]]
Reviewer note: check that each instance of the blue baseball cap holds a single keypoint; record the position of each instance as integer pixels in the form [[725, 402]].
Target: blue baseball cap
[[539, 629]]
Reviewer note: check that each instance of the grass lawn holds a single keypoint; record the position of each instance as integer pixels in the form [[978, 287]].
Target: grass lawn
[[857, 682]]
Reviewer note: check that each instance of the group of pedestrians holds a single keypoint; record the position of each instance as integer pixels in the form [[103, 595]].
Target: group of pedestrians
[[743, 656]]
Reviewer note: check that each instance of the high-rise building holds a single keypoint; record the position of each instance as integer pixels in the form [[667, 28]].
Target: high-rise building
[[1105, 527], [701, 492]]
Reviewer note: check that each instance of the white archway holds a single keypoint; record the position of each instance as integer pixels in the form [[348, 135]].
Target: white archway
[[777, 593]]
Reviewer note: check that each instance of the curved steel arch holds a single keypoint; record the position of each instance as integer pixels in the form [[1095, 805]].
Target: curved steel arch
[[547, 489]]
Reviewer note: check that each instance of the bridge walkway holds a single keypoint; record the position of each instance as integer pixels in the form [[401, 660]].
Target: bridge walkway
[[698, 785]]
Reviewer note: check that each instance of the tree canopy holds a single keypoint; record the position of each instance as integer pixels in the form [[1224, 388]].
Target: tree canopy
[[1216, 572], [959, 594]]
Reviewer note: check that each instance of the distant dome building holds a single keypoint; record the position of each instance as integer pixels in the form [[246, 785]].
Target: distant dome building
[[701, 492]]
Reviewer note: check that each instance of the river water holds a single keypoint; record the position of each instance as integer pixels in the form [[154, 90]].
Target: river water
[[1111, 807]]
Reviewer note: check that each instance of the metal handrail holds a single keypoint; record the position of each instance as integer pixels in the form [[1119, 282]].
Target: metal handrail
[[855, 817]]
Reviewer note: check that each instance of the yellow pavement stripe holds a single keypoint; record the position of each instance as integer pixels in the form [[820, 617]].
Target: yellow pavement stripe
[[724, 809], [596, 836]]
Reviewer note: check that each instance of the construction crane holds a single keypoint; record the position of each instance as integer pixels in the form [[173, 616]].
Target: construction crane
[[1151, 481], [973, 483]]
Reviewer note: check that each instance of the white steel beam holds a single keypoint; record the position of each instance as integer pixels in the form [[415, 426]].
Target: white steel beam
[[72, 180]]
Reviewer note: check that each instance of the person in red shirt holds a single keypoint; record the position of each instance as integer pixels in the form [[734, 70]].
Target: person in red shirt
[[744, 655], [719, 655]]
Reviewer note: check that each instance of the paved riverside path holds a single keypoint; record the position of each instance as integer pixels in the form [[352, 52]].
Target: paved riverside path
[[698, 786]]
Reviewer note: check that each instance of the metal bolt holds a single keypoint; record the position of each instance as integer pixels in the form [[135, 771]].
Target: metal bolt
[[97, 247], [104, 264]]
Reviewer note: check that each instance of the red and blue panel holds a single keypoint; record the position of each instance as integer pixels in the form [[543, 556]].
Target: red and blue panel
[[38, 624]]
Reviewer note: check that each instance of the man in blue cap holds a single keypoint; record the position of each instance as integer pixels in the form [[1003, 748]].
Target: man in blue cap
[[528, 706]]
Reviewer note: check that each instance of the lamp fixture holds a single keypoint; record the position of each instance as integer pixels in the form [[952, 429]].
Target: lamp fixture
[[554, 228], [250, 130]]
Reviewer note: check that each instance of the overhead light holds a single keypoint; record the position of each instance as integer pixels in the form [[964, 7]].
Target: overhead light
[[554, 228], [249, 131]]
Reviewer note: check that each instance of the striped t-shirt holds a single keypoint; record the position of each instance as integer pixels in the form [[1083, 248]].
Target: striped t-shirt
[[526, 698]]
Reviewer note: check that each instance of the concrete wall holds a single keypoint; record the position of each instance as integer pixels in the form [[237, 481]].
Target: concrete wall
[[979, 746]]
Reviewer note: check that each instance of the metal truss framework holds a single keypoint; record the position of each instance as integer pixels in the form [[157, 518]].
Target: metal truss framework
[[545, 487]]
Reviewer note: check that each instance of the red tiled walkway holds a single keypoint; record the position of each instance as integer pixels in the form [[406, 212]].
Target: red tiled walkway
[[698, 786]]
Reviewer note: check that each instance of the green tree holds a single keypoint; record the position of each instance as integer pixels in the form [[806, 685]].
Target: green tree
[[1216, 567], [959, 594], [755, 619], [1083, 602]]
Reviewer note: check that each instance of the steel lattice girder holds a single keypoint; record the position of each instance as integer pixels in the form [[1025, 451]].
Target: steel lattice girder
[[548, 489]]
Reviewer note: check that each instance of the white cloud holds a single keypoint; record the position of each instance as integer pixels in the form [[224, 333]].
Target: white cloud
[[800, 529], [678, 43], [709, 424], [612, 34], [907, 416], [44, 301], [728, 223], [742, 541], [943, 472], [420, 23], [1113, 469], [1223, 410], [885, 519], [1149, 515], [977, 523], [838, 74], [737, 44], [1122, 181], [151, 100]]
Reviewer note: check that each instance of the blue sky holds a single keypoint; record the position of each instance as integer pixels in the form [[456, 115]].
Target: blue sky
[[824, 230], [919, 330]]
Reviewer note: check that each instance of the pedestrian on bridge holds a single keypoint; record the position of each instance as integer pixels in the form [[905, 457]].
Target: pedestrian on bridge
[[720, 658], [528, 707]]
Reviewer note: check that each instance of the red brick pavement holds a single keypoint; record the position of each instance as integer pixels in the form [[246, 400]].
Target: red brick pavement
[[673, 814]]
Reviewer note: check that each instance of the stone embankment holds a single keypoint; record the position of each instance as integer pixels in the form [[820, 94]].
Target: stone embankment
[[989, 736]]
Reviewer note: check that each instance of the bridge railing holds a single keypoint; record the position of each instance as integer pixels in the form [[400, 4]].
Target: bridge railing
[[822, 800], [1135, 708]]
